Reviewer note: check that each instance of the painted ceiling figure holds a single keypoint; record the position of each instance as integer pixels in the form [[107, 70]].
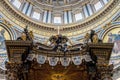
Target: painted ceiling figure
[[115, 38], [2, 39], [110, 37]]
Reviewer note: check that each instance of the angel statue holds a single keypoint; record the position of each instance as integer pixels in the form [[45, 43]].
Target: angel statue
[[95, 38], [86, 38], [31, 35], [26, 35], [2, 39]]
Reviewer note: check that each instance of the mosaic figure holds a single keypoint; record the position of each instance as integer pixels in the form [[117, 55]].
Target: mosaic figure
[[2, 39], [115, 38]]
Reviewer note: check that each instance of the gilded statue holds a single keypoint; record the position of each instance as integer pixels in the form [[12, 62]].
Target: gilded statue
[[26, 35], [95, 38], [86, 37], [23, 36], [31, 35]]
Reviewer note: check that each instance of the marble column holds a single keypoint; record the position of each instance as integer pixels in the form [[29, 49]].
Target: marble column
[[70, 16], [65, 17], [85, 10], [49, 16], [89, 9], [22, 5], [45, 16], [29, 10], [25, 8]]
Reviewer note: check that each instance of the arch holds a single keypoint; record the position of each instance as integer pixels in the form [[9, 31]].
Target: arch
[[111, 27], [10, 31]]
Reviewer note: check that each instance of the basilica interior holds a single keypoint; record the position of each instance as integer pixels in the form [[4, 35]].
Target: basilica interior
[[59, 39]]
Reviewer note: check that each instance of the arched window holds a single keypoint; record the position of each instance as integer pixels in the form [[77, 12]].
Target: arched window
[[57, 20], [16, 3], [36, 15], [78, 16], [98, 6]]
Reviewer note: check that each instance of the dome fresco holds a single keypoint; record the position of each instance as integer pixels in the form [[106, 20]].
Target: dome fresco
[[58, 11]]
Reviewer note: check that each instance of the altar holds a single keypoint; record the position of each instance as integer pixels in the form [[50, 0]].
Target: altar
[[51, 65]]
